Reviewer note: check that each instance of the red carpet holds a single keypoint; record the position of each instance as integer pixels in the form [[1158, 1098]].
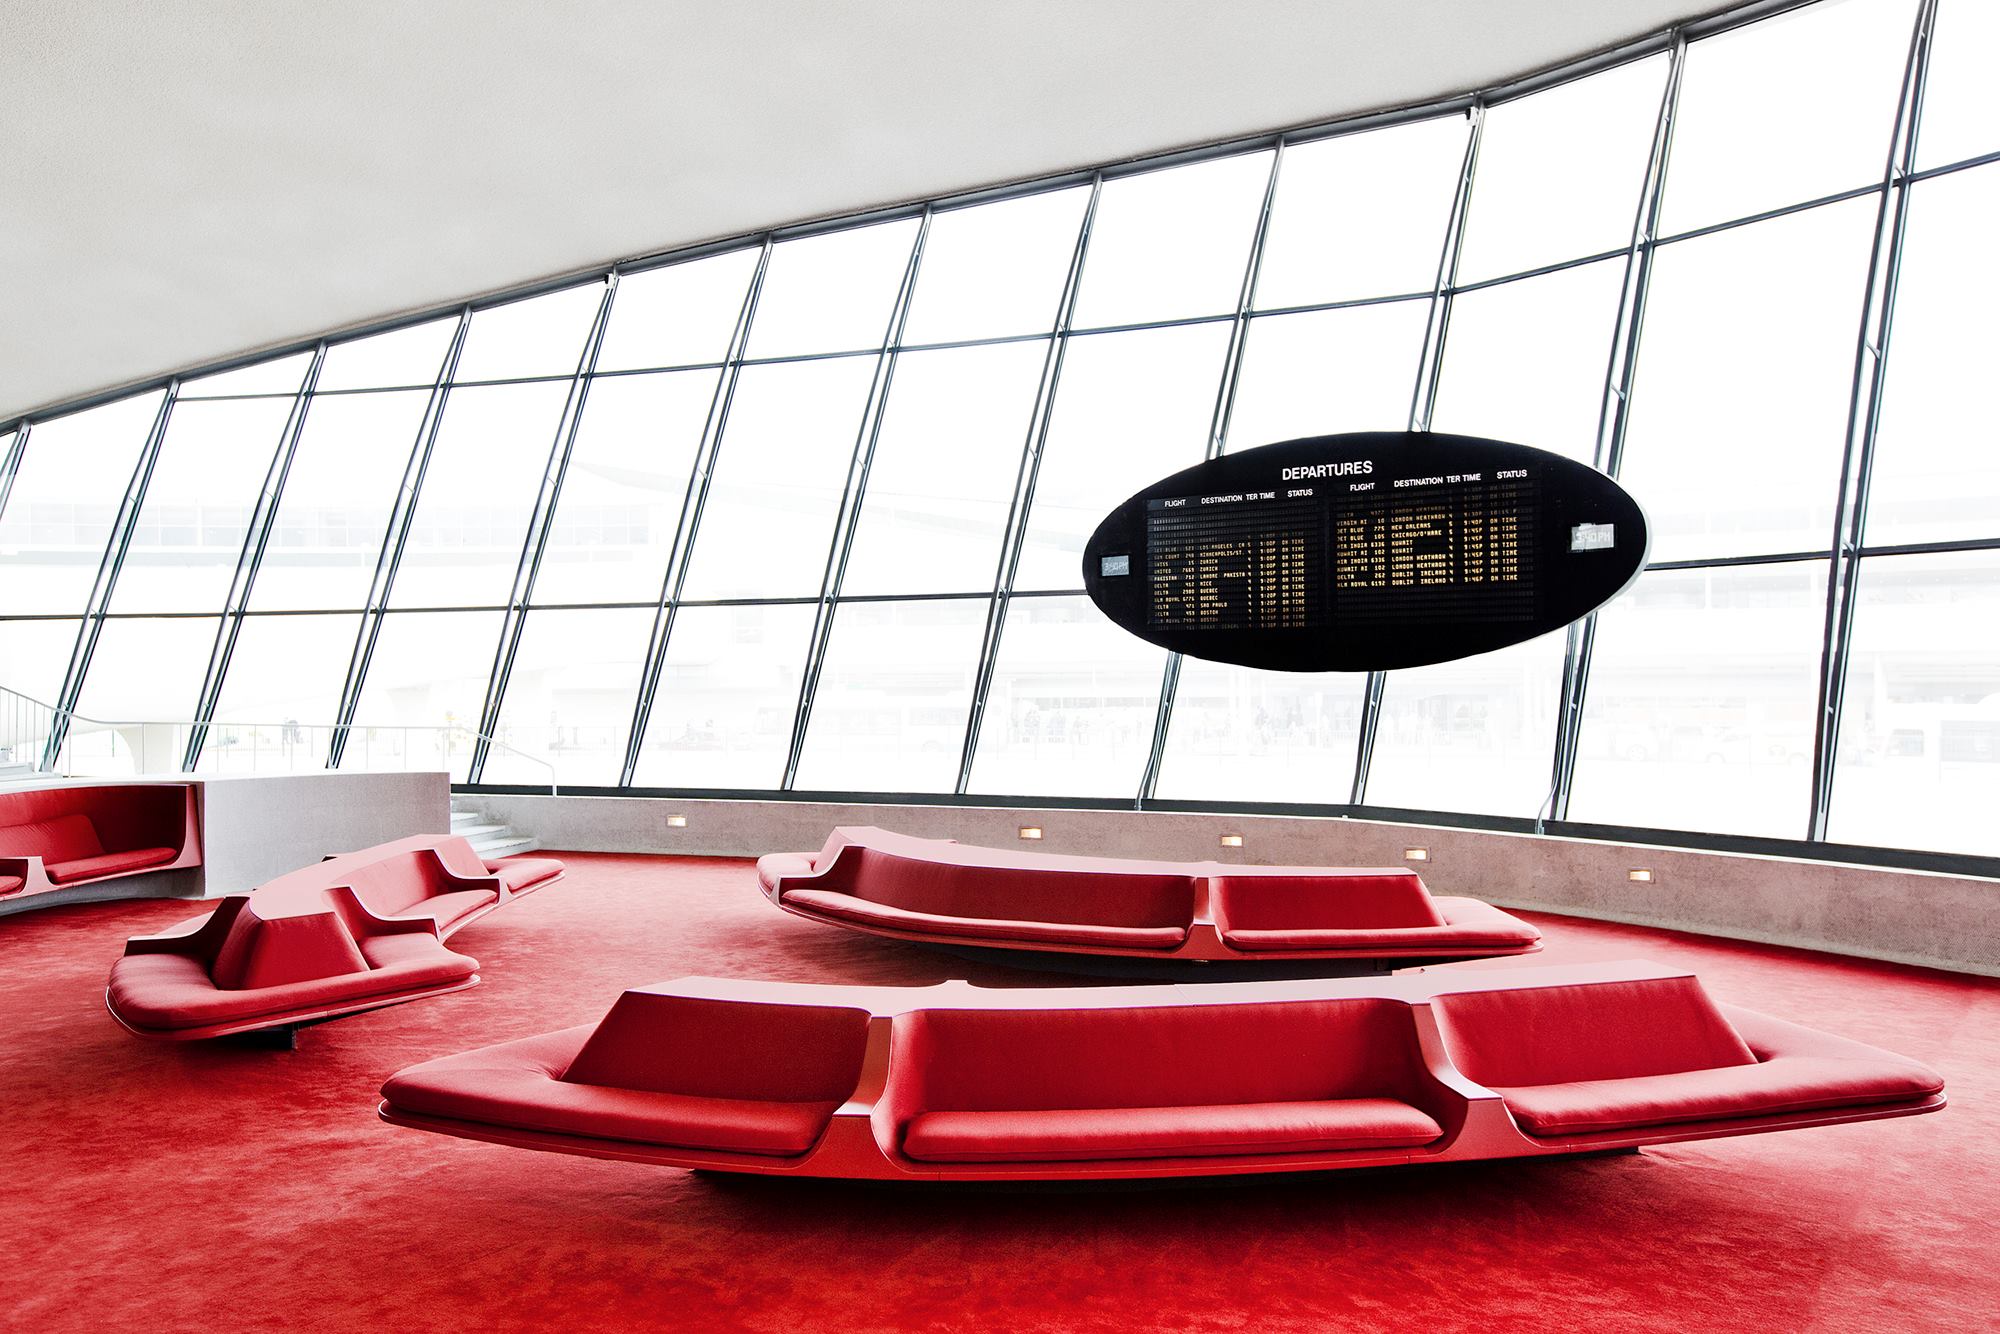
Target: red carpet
[[219, 1187]]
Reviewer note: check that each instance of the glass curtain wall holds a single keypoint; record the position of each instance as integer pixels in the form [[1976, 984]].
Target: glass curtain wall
[[805, 512]]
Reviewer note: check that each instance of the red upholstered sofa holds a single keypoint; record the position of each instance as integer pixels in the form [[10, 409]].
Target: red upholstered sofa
[[56, 837], [957, 1083], [949, 893], [351, 933]]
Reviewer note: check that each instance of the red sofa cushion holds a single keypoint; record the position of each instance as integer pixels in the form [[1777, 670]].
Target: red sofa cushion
[[108, 863], [1168, 1132], [775, 866], [519, 873], [515, 1085], [173, 991], [1331, 901], [1449, 937], [1156, 1056], [59, 838], [850, 908], [11, 884], [1603, 1030], [264, 952], [448, 910], [723, 1049], [1767, 1088]]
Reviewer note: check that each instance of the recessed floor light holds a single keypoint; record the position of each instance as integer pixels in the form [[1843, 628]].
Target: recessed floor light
[[1640, 874], [677, 821], [1031, 831], [1416, 854], [1232, 840]]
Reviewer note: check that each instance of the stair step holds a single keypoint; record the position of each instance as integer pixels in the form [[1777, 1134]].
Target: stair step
[[476, 832], [507, 847]]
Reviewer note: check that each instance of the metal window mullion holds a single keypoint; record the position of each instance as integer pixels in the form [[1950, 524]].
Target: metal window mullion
[[256, 537], [1014, 531], [535, 540], [847, 516], [117, 543], [1613, 420], [10, 466], [1864, 410], [693, 501], [395, 536], [1423, 398], [1218, 440]]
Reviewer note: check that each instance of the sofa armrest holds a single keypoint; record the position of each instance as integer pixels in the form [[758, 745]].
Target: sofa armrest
[[457, 881], [197, 938]]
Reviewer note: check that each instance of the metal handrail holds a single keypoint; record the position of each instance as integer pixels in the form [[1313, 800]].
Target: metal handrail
[[71, 716]]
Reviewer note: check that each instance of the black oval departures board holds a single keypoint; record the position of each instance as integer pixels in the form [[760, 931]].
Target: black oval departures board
[[1365, 552]]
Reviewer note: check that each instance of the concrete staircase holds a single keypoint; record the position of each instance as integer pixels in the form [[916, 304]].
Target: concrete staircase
[[488, 839]]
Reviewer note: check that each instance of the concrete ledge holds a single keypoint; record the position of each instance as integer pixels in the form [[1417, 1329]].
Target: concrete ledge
[[1912, 917]]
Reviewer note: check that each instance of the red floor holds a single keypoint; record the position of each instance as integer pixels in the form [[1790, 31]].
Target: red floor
[[218, 1187]]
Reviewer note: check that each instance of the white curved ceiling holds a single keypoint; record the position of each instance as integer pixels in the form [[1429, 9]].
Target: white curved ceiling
[[191, 181]]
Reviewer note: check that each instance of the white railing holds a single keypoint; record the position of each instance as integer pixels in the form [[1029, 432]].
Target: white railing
[[100, 747]]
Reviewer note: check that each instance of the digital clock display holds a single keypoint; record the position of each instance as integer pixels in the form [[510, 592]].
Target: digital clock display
[[1363, 552]]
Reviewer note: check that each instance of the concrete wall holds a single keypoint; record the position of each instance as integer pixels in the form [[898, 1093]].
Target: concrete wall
[[255, 826], [1915, 917]]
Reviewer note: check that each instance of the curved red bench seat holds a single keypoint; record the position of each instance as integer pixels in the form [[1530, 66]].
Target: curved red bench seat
[[56, 837], [350, 933], [957, 1083], [942, 892]]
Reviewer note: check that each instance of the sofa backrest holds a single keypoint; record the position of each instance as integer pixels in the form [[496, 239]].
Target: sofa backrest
[[725, 1049], [269, 952], [1339, 900], [1164, 1056], [1600, 1030], [57, 838], [397, 883], [1026, 893]]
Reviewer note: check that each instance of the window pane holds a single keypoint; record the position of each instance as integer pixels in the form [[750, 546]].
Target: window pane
[[1362, 215], [627, 480], [680, 315], [944, 470], [281, 695], [480, 488], [1937, 447], [1958, 120], [996, 269], [1327, 371], [426, 686], [344, 479], [1700, 706], [1526, 361], [1746, 364], [1131, 408], [1919, 758], [148, 669], [288, 669], [411, 356], [776, 486], [34, 655], [1071, 710], [833, 292], [728, 695], [889, 714], [570, 696], [282, 376], [1785, 110], [1473, 735], [1172, 243], [1560, 172], [73, 475], [542, 335], [211, 470], [1243, 735]]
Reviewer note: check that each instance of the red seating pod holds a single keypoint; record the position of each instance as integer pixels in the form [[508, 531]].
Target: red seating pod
[[953, 1082], [58, 837], [350, 933], [942, 892]]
